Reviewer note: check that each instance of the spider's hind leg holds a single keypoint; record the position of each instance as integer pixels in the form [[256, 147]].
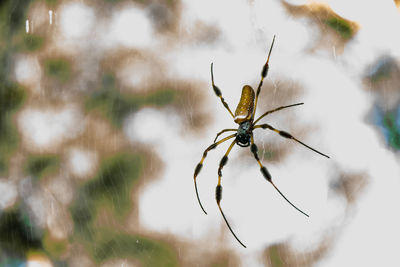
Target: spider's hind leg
[[218, 92], [264, 73], [274, 110]]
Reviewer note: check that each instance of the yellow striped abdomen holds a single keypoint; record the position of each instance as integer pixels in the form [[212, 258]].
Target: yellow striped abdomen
[[245, 107]]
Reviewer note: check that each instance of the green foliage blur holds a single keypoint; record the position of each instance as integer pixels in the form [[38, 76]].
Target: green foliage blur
[[116, 105], [341, 26], [108, 192]]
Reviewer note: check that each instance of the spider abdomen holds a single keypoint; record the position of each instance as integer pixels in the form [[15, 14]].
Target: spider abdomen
[[245, 107]]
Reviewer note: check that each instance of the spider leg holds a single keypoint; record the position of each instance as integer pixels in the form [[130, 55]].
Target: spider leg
[[287, 135], [276, 109], [264, 73], [218, 92], [223, 131], [218, 189], [267, 175], [198, 167]]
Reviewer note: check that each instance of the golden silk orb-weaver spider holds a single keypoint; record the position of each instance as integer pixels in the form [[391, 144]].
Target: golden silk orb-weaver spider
[[243, 136]]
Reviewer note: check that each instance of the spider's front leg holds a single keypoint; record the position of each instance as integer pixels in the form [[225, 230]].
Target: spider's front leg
[[223, 131], [288, 136], [200, 165], [218, 189], [267, 175]]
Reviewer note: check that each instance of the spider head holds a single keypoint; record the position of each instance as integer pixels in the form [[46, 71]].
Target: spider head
[[243, 134]]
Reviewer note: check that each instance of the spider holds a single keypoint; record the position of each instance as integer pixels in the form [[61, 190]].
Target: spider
[[243, 136]]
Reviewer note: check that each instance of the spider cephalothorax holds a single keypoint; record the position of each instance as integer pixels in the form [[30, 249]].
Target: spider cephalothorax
[[243, 134], [244, 116]]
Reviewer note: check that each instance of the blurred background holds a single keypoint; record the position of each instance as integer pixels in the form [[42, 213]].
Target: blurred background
[[106, 108]]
